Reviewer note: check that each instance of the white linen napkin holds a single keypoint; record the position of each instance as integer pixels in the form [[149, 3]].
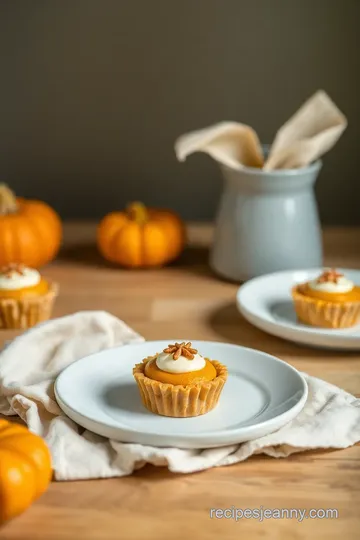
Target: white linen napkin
[[30, 364]]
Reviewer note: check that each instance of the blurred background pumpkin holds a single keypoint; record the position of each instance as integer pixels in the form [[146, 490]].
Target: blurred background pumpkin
[[30, 231], [141, 237], [25, 469]]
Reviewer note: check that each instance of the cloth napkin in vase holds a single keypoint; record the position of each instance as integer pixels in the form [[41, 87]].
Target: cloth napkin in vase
[[30, 364], [309, 134]]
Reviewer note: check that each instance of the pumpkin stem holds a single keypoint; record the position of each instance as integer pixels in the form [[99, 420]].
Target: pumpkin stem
[[137, 211], [8, 204]]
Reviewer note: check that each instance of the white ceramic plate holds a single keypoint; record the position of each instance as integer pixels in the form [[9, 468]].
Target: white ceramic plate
[[261, 394], [266, 302]]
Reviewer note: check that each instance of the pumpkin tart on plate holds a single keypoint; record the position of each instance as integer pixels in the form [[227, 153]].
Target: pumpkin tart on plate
[[179, 382], [26, 298], [329, 301]]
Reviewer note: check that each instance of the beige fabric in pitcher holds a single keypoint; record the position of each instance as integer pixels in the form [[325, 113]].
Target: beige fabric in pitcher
[[311, 132], [229, 143]]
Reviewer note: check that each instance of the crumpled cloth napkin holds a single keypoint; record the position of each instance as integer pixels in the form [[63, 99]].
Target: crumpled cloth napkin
[[30, 364], [311, 132]]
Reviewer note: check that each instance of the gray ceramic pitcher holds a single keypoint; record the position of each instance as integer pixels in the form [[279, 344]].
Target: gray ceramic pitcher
[[267, 221]]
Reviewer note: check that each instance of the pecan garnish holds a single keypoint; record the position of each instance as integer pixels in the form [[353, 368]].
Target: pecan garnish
[[12, 268], [181, 349], [330, 276]]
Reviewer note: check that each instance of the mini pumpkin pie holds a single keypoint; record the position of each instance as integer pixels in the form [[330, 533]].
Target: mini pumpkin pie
[[179, 382], [26, 298], [329, 301]]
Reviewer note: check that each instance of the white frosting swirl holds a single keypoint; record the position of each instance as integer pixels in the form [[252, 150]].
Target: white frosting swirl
[[19, 279], [342, 285], [166, 362]]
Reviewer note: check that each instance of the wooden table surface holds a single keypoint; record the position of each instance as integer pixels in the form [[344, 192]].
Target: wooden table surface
[[188, 300]]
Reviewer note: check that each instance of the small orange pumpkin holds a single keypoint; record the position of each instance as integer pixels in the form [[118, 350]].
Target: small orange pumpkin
[[30, 231], [141, 237], [25, 469]]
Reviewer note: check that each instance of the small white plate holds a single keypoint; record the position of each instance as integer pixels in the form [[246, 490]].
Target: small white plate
[[261, 394], [266, 303]]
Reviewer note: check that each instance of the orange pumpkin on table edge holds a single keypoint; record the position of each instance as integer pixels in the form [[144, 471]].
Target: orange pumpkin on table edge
[[141, 237], [25, 469], [30, 231]]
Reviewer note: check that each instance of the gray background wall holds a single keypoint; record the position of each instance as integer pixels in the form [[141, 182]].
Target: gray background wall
[[94, 93]]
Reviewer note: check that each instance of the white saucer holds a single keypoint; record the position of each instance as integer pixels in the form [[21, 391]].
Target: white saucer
[[261, 394], [266, 303]]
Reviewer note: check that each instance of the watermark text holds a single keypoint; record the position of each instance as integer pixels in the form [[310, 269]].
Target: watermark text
[[263, 513]]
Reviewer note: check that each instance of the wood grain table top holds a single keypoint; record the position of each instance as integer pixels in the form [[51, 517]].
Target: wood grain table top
[[186, 299]]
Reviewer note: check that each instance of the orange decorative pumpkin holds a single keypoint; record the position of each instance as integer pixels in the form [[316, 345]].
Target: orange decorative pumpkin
[[30, 231], [141, 237], [25, 469]]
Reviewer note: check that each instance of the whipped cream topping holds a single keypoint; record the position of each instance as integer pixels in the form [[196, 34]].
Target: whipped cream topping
[[18, 277], [165, 361], [332, 282]]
